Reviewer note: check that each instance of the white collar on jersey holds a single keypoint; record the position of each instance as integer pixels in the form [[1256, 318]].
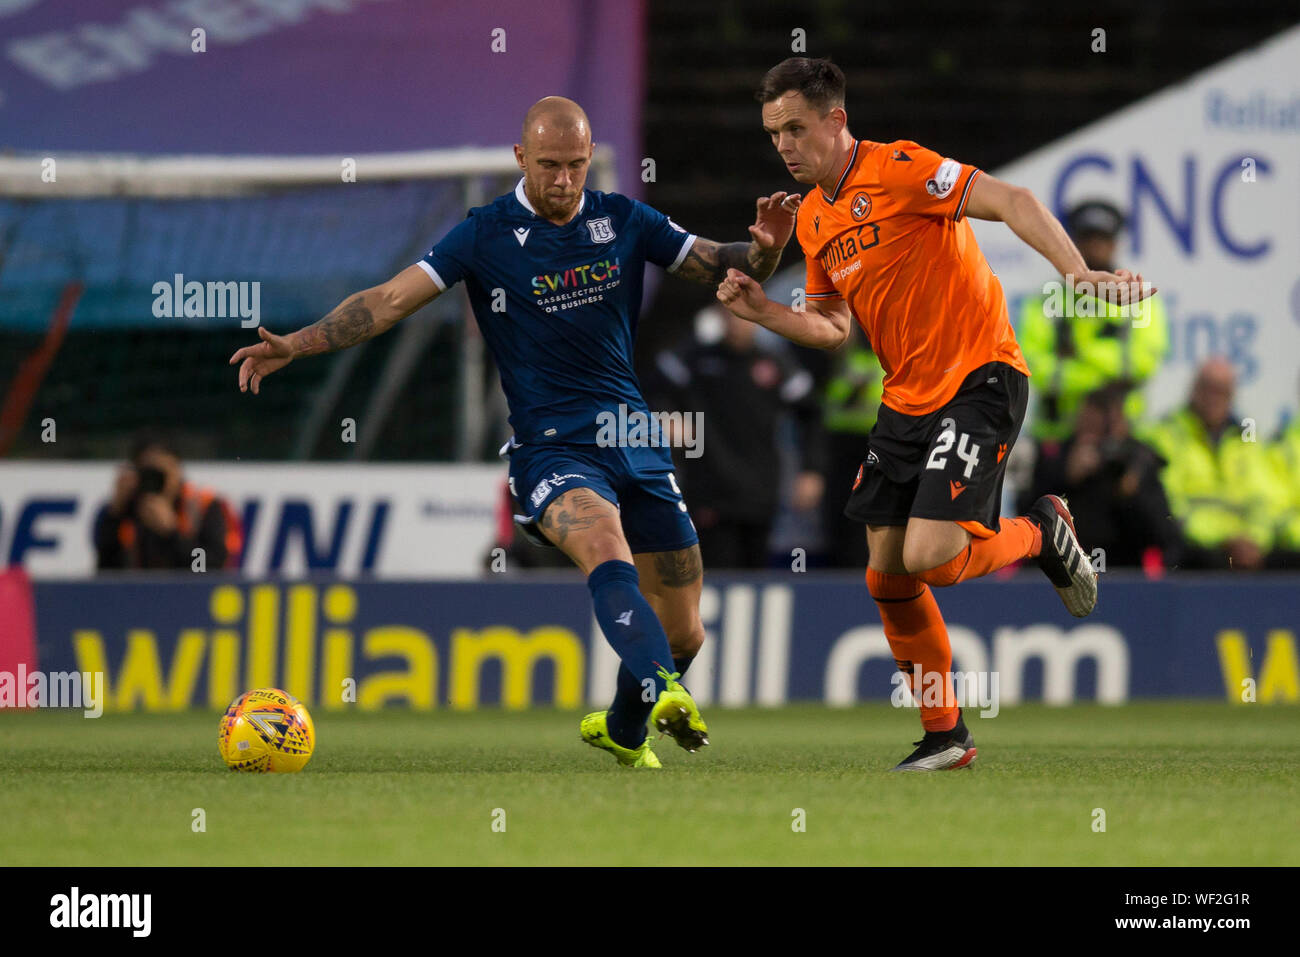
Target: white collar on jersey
[[523, 199]]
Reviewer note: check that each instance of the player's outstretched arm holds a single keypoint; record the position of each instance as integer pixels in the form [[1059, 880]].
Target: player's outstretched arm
[[1028, 218], [358, 318], [823, 324], [708, 261]]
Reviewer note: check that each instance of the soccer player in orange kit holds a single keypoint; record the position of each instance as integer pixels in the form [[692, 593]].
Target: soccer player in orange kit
[[885, 241]]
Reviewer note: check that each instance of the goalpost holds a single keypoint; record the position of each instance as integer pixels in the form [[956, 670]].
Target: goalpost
[[308, 230]]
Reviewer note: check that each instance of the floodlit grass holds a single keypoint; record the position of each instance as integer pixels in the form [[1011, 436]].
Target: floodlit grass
[[1180, 783]]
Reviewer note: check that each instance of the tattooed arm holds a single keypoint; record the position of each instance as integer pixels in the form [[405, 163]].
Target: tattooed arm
[[356, 319], [367, 314], [708, 261]]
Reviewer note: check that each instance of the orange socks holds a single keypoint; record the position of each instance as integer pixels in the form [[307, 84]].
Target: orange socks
[[1017, 538], [914, 627], [917, 637]]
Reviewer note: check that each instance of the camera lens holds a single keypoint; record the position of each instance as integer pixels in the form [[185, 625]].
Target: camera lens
[[152, 479]]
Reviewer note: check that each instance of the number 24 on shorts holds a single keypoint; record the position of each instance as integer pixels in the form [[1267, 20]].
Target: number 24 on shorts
[[967, 450]]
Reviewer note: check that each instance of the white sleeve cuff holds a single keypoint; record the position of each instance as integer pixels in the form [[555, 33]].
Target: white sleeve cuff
[[433, 274], [686, 247]]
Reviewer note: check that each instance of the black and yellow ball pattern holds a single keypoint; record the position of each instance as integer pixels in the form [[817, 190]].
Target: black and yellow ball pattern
[[266, 730]]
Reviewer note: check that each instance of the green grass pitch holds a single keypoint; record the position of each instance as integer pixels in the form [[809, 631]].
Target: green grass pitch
[[1180, 784]]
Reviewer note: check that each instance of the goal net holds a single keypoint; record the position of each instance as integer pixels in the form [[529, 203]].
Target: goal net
[[101, 329]]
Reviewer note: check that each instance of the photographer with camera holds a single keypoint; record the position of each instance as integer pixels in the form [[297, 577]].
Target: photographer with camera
[[156, 519]]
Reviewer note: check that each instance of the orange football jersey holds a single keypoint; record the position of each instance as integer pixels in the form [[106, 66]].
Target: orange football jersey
[[891, 241]]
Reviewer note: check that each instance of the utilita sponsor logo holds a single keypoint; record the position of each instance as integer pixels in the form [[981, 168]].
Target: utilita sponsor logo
[[133, 911]]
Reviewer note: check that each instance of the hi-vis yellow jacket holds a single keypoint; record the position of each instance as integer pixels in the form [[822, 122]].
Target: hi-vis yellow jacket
[[852, 398], [1285, 458], [1076, 344], [1218, 491]]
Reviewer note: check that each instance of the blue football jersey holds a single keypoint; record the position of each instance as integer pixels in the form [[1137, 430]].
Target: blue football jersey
[[558, 305]]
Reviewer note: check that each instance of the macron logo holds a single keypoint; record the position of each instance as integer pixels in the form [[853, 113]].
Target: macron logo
[[521, 234], [625, 618]]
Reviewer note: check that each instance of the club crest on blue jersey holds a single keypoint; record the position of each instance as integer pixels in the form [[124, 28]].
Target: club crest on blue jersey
[[564, 346], [600, 229]]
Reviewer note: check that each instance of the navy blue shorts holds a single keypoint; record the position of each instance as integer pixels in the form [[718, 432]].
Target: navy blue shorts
[[640, 481]]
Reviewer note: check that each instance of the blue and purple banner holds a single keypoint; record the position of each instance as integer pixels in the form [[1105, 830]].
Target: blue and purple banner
[[312, 76]]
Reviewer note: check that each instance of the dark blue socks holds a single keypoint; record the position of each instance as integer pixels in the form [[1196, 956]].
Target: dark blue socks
[[633, 630]]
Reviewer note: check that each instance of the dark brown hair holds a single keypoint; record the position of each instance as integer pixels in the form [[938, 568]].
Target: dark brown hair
[[819, 80]]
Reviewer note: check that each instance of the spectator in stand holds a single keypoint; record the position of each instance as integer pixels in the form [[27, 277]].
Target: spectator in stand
[[1218, 478], [1112, 481], [156, 519], [1284, 455], [1077, 343], [742, 391]]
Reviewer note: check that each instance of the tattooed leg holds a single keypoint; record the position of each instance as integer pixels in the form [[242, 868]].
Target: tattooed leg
[[671, 583], [585, 527]]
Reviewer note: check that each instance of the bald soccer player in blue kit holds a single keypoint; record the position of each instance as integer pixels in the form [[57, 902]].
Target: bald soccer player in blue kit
[[570, 263]]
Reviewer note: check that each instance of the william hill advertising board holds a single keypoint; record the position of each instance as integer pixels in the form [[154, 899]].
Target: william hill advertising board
[[166, 645]]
